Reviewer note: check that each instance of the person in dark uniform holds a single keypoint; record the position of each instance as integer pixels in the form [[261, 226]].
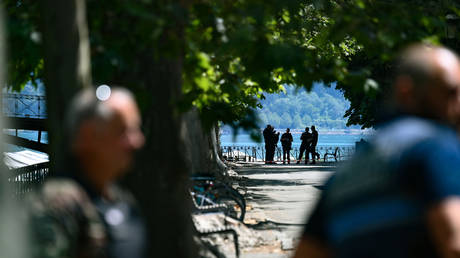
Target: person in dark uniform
[[272, 145], [314, 141], [267, 139], [305, 145], [286, 142]]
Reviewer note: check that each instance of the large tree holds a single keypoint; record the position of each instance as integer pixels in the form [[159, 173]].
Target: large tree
[[67, 67]]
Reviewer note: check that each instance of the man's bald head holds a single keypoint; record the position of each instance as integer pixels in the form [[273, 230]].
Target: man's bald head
[[427, 82], [104, 133], [86, 106]]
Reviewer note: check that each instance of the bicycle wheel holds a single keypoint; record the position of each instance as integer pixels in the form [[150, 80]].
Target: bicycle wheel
[[202, 199], [237, 209], [233, 199]]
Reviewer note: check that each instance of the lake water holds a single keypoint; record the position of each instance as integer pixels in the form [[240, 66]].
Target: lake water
[[27, 134], [324, 139], [329, 139]]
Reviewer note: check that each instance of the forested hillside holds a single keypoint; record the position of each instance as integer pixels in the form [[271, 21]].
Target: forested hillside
[[323, 107]]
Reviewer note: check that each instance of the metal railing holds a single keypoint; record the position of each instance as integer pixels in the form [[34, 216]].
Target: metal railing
[[257, 153], [25, 179], [21, 105]]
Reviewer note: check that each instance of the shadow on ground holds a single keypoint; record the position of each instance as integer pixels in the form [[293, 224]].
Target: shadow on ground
[[281, 169], [264, 225], [261, 198], [259, 186], [268, 182]]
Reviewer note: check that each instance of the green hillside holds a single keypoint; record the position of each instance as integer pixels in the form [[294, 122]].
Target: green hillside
[[323, 107]]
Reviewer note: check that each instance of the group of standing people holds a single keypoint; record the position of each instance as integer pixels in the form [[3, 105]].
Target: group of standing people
[[271, 140], [309, 141], [308, 145]]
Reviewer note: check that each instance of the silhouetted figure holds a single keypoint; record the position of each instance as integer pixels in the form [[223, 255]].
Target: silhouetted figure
[[274, 137], [267, 133], [305, 145], [314, 141], [286, 143], [401, 196]]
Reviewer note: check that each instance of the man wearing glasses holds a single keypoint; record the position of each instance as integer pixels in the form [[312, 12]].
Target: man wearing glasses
[[81, 212]]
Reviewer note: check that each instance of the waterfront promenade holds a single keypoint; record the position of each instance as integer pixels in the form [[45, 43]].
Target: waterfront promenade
[[279, 198]]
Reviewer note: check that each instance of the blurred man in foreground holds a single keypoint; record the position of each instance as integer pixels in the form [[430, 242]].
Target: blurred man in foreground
[[81, 213], [400, 196]]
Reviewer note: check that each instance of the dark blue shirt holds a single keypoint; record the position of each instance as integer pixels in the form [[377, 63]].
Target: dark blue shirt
[[375, 205]]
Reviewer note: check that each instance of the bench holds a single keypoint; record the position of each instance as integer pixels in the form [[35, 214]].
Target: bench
[[336, 154]]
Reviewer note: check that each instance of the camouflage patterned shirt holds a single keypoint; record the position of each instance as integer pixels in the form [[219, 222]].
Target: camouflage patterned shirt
[[69, 222]]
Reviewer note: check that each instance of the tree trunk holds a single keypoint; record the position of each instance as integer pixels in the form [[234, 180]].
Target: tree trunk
[[196, 143], [201, 147], [218, 143], [160, 180], [67, 65], [214, 143]]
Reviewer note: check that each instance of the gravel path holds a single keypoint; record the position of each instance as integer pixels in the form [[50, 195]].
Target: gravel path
[[279, 199]]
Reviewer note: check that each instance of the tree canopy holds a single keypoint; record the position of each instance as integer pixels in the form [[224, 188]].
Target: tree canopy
[[236, 52], [380, 29]]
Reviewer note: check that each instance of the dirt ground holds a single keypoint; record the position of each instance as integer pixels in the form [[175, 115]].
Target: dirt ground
[[279, 199]]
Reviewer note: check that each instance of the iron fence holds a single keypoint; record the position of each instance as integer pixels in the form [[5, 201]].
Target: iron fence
[[257, 153], [21, 105], [25, 179]]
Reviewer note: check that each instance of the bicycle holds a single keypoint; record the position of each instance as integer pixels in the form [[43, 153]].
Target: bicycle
[[207, 191]]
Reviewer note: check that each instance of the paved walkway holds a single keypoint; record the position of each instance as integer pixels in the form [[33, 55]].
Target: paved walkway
[[279, 197]]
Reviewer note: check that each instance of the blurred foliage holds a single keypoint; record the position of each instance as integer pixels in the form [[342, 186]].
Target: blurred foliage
[[381, 28], [234, 52], [25, 60]]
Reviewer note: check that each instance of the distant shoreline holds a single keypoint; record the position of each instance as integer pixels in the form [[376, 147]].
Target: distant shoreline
[[328, 132]]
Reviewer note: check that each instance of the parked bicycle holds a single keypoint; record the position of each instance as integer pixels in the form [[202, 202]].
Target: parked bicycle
[[207, 191]]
